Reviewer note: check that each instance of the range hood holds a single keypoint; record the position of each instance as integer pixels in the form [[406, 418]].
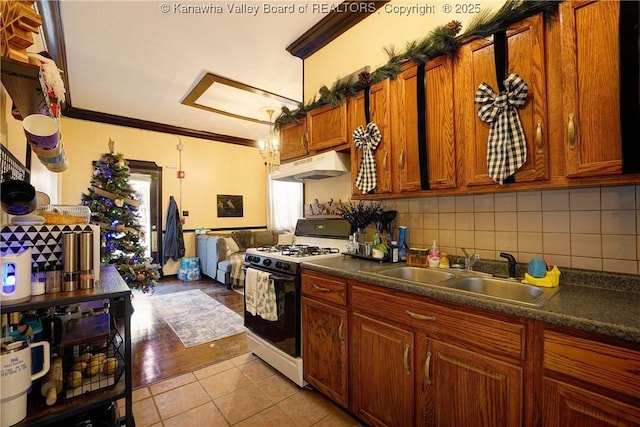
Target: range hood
[[320, 166]]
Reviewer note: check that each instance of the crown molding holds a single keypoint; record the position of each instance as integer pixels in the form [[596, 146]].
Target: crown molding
[[112, 119], [332, 25]]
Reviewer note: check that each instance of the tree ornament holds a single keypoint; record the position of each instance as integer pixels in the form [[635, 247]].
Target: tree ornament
[[119, 202]]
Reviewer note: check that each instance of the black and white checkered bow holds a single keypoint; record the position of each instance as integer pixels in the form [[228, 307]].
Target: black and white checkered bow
[[367, 139], [506, 147]]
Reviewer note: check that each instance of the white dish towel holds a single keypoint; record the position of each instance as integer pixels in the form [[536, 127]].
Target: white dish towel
[[251, 290], [266, 305]]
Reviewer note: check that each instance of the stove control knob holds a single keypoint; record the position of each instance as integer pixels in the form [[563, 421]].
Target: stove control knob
[[267, 262], [282, 265]]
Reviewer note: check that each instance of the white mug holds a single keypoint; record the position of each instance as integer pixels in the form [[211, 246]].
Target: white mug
[[15, 367]]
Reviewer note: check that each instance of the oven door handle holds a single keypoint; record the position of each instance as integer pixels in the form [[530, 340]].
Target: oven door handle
[[283, 278], [273, 276]]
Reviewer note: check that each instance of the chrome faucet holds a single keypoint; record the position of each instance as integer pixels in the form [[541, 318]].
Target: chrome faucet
[[469, 260]]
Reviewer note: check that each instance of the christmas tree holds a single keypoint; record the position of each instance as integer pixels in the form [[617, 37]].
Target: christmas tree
[[114, 208]]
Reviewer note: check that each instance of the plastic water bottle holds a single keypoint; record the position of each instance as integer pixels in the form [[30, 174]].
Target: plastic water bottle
[[403, 249]]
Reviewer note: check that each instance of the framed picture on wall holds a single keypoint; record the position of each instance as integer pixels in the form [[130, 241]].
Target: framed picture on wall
[[229, 206]]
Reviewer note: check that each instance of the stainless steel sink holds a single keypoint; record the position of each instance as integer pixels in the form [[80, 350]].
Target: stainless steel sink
[[507, 290], [471, 282], [415, 274]]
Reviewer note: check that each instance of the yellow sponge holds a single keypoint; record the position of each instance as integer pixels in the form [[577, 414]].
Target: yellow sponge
[[551, 279]]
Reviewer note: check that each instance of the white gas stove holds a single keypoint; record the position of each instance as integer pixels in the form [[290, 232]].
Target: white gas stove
[[279, 341]]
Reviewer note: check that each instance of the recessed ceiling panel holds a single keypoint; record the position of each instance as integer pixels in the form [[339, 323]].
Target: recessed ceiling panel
[[231, 98]]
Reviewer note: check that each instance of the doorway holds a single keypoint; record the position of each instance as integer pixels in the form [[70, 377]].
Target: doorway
[[146, 179]]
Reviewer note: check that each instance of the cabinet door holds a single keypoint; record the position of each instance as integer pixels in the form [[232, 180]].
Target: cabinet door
[[525, 41], [324, 348], [565, 405], [439, 118], [327, 127], [379, 106], [591, 67], [458, 387], [293, 140], [381, 369]]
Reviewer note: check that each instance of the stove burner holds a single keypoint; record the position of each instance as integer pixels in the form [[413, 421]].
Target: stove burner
[[298, 250], [272, 249], [307, 251]]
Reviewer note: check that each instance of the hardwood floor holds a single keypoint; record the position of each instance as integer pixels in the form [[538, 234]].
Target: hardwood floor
[[158, 353]]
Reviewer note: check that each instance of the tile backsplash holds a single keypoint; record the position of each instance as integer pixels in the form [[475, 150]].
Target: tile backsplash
[[587, 228]]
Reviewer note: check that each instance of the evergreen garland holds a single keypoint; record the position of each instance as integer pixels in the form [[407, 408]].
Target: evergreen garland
[[442, 40]]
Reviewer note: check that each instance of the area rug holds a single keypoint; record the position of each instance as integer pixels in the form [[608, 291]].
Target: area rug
[[196, 318]]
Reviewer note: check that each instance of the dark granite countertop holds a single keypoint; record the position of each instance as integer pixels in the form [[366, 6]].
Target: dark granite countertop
[[602, 303]]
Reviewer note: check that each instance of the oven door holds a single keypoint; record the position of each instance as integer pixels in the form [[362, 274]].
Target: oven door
[[283, 333]]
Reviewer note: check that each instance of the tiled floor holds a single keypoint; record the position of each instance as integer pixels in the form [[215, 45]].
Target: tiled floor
[[243, 391]]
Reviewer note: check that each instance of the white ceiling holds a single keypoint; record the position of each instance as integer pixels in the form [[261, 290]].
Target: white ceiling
[[133, 59]]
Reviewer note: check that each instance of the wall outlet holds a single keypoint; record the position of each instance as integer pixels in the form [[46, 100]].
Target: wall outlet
[[185, 213]]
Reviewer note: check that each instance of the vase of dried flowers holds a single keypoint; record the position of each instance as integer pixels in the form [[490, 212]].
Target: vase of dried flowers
[[360, 214]]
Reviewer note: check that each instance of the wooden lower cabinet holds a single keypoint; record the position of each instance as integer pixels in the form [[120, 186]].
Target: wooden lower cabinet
[[414, 361], [381, 372], [325, 335], [457, 387], [567, 405], [324, 349], [588, 382]]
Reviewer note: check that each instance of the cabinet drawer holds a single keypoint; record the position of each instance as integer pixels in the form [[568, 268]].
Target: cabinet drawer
[[475, 331], [324, 288], [604, 365]]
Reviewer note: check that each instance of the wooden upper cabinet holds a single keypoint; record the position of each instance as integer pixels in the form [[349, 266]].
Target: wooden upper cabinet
[[327, 127], [379, 109], [591, 67], [476, 64], [439, 126], [293, 141]]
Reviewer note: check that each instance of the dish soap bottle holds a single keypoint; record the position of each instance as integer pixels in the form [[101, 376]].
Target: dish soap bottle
[[403, 249], [434, 255]]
